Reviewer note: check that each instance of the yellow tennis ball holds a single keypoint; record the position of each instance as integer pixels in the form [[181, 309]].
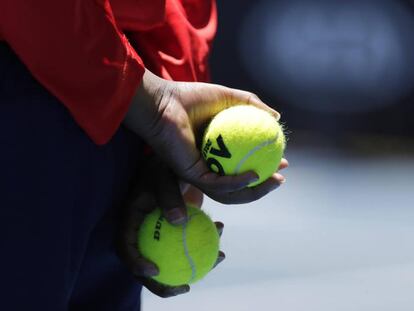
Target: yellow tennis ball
[[183, 254], [244, 138]]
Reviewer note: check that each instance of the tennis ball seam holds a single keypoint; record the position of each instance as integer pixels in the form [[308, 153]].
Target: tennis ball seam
[[253, 151], [187, 252], [183, 254]]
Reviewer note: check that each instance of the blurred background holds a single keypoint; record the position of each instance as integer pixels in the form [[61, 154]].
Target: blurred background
[[339, 235]]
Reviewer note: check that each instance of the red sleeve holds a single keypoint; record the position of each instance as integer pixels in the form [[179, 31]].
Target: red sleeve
[[179, 48], [75, 50]]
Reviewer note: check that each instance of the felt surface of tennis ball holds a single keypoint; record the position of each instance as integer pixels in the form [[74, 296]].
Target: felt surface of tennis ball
[[244, 138], [183, 254]]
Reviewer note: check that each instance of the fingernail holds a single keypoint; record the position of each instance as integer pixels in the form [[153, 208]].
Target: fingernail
[[176, 216], [280, 178], [220, 227], [220, 258]]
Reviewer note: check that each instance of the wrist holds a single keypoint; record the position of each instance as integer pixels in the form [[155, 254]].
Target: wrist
[[144, 110]]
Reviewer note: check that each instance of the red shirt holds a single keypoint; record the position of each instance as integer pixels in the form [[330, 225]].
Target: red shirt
[[80, 52]]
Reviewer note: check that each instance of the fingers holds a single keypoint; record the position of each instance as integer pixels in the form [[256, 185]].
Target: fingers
[[139, 266], [232, 189], [167, 193], [169, 198], [239, 96], [166, 291], [249, 194], [162, 290], [283, 164], [208, 181], [220, 227], [127, 248], [221, 256], [133, 216], [214, 182], [193, 196]]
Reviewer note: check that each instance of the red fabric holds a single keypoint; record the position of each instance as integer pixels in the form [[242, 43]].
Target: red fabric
[[78, 50]]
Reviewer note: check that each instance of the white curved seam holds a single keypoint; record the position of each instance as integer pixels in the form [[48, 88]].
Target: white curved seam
[[255, 149], [186, 251]]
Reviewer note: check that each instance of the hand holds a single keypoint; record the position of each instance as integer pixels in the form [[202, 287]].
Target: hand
[[170, 116], [157, 186]]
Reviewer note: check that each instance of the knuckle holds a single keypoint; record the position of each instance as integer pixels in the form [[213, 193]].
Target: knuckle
[[252, 96], [255, 96]]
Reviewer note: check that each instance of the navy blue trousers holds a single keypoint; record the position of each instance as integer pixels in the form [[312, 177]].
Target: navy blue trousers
[[59, 201]]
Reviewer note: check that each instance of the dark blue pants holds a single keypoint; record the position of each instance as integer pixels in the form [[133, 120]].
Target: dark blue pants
[[59, 194]]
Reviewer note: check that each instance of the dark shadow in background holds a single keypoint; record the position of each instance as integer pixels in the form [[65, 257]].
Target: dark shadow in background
[[393, 119]]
